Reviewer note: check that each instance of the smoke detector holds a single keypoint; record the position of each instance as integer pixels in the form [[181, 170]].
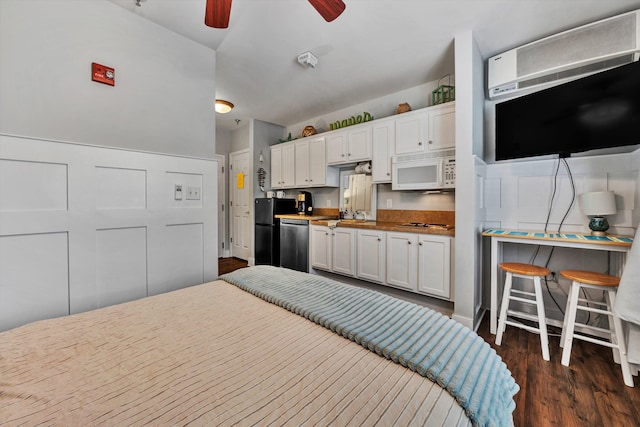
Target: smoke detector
[[307, 59]]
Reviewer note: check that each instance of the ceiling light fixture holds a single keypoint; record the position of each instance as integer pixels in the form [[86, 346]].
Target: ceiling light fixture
[[223, 106]]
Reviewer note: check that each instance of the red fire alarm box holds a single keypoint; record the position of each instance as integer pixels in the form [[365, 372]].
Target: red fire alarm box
[[103, 74]]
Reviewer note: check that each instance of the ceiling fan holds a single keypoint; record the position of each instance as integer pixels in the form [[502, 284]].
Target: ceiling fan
[[217, 11]]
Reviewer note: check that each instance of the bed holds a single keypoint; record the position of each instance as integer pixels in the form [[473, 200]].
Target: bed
[[263, 346]]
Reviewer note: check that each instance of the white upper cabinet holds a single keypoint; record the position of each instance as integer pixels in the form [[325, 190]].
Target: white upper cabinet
[[318, 173], [337, 147], [349, 145], [302, 164], [383, 139], [276, 167], [359, 146], [442, 127], [411, 130], [282, 166], [428, 129], [301, 149]]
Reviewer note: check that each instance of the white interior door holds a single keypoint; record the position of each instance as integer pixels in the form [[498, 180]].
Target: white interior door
[[241, 204]]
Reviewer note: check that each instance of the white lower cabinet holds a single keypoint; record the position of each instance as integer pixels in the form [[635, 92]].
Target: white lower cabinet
[[371, 254], [320, 247], [344, 251], [333, 249], [419, 263], [434, 265], [402, 267]]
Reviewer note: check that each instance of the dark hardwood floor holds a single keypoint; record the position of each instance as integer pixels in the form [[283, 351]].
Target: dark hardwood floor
[[227, 265], [588, 393]]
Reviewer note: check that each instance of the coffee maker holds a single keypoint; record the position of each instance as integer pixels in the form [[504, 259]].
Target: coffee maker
[[305, 204]]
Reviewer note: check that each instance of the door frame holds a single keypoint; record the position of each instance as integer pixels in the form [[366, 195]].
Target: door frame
[[223, 210], [248, 186]]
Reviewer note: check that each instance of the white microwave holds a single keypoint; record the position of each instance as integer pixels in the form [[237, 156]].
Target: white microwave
[[424, 171]]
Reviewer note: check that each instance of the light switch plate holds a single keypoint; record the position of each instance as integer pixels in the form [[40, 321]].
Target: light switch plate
[[193, 193]]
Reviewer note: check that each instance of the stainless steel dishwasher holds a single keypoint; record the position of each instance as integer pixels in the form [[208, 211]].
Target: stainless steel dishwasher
[[294, 244]]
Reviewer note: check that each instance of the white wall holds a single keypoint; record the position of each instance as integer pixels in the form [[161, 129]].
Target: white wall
[[518, 195], [83, 227], [164, 89], [469, 175], [415, 200], [263, 135], [240, 139]]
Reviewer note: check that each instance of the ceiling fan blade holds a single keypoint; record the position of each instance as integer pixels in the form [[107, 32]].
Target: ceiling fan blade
[[329, 9], [217, 13]]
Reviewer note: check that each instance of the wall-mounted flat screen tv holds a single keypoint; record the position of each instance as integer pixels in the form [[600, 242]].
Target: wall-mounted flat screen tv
[[598, 111]]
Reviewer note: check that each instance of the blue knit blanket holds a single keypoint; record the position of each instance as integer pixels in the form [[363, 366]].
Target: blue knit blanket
[[416, 337]]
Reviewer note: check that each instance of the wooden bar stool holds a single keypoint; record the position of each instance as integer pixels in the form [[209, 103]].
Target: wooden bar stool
[[609, 285], [524, 271]]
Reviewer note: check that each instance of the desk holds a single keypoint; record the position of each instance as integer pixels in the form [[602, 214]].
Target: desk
[[616, 244]]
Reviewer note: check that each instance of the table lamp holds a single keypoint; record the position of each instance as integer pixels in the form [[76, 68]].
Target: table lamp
[[596, 205]]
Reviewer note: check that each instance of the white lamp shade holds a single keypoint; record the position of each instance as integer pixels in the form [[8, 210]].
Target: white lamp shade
[[598, 203]]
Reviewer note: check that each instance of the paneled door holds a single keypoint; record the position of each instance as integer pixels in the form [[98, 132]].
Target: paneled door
[[241, 203]]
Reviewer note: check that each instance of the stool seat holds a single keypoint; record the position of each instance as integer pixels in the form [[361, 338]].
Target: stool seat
[[521, 296], [590, 277], [525, 269]]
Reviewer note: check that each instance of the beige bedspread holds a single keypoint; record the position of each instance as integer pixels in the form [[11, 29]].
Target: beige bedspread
[[206, 355]]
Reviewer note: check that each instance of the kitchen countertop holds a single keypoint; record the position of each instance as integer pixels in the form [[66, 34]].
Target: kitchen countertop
[[386, 226], [305, 217]]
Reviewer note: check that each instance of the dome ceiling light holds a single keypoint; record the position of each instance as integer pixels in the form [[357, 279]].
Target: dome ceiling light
[[223, 106]]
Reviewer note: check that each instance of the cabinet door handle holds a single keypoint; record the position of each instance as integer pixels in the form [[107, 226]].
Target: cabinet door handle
[[419, 142], [430, 142], [388, 174], [378, 239], [342, 155], [409, 242], [420, 244], [327, 233]]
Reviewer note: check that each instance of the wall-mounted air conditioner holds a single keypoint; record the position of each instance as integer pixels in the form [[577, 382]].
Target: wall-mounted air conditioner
[[566, 56]]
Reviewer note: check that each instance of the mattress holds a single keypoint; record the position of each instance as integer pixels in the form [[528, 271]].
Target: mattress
[[210, 354]]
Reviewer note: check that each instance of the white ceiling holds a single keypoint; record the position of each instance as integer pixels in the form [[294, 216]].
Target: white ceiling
[[376, 47]]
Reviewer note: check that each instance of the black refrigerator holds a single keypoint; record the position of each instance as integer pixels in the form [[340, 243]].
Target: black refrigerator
[[267, 228]]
